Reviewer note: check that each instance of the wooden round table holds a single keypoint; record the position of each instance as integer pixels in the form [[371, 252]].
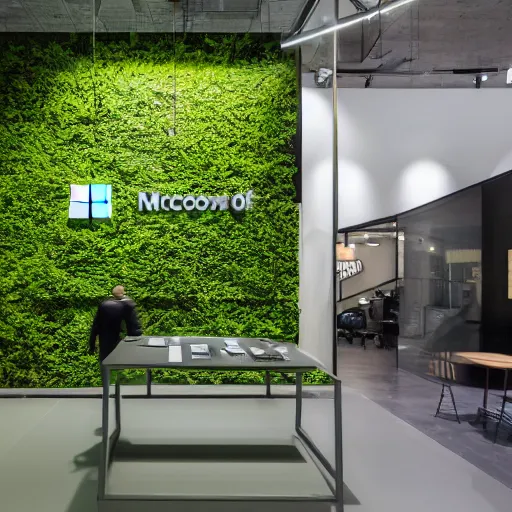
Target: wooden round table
[[487, 360]]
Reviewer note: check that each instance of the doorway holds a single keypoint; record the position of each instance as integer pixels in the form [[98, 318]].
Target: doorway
[[369, 269]]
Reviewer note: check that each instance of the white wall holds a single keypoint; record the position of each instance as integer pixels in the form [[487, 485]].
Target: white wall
[[398, 149], [401, 148], [315, 264], [378, 267]]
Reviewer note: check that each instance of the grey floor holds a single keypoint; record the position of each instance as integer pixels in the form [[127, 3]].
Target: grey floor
[[414, 400], [49, 450]]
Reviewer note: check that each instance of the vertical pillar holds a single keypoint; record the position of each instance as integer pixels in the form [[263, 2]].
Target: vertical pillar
[[450, 284], [334, 192]]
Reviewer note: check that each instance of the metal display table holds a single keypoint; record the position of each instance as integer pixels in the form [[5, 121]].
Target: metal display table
[[137, 354]]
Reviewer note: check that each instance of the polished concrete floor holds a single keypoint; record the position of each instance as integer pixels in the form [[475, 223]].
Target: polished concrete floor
[[414, 400], [49, 450]]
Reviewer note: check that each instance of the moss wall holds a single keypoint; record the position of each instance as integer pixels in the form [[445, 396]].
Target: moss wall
[[65, 121]]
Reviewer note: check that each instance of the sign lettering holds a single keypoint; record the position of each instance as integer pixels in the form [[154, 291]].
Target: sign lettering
[[153, 201], [347, 269]]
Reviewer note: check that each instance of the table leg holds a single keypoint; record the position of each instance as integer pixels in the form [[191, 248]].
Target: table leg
[[267, 384], [149, 380], [103, 469], [486, 389], [338, 446], [118, 402], [503, 403], [298, 401]]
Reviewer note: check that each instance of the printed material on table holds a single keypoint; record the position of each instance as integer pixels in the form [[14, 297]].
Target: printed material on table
[[157, 342], [200, 351], [132, 338], [233, 348], [175, 355], [283, 351], [266, 355]]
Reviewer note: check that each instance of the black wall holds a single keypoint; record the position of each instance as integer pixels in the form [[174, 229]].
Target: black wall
[[496, 242]]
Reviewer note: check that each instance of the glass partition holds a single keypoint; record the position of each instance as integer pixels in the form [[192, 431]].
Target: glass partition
[[441, 290]]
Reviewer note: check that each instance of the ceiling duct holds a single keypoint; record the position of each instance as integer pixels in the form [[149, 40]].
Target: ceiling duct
[[245, 6], [356, 43], [137, 6]]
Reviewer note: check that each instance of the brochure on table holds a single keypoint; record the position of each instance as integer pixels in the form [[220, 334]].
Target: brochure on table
[[232, 347]]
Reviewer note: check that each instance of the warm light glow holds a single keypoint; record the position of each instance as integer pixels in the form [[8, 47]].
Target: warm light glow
[[345, 253], [421, 182], [463, 256]]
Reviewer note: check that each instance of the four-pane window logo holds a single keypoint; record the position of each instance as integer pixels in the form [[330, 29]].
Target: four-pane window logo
[[90, 202]]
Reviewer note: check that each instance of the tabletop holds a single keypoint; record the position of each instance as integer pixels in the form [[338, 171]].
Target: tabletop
[[486, 359], [137, 354]]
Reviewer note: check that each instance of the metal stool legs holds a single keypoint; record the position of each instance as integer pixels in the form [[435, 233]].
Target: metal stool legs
[[453, 402], [505, 400], [454, 406], [499, 421], [440, 402]]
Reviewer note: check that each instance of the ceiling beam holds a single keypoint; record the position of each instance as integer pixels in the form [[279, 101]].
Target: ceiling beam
[[31, 14]]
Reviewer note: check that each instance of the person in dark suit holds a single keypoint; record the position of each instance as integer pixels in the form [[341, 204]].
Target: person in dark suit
[[107, 324]]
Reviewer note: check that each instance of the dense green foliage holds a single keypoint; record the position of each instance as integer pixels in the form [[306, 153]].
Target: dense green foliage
[[66, 120]]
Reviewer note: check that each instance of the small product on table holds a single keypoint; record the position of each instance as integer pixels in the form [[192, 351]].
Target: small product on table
[[200, 351]]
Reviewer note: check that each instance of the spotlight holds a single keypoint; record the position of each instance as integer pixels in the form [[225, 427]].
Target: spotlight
[[479, 79], [432, 248], [323, 78], [370, 242]]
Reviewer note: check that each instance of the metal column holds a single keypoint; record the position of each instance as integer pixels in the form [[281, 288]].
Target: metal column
[[450, 284], [338, 441], [334, 192]]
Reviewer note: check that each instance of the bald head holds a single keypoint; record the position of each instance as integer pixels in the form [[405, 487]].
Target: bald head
[[118, 291]]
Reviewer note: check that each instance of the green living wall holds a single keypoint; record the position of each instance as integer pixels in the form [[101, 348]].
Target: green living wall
[[68, 121]]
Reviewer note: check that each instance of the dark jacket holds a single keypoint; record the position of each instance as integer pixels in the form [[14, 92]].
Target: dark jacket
[[108, 322]]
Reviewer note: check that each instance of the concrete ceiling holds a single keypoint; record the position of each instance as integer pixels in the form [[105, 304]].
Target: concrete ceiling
[[417, 41], [274, 16], [421, 40]]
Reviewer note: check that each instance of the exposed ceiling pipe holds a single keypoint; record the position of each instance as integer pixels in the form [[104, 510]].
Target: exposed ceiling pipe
[[342, 23], [304, 16], [383, 72], [358, 5]]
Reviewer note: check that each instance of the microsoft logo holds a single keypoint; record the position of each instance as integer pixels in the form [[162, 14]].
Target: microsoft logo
[[90, 202]]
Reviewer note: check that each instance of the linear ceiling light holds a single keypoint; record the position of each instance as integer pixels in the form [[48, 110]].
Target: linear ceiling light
[[343, 23]]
